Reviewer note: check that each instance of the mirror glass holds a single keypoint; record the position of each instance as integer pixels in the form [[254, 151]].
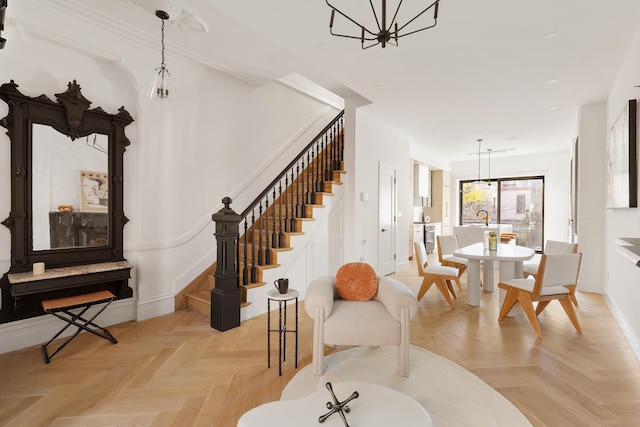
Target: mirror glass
[[70, 190]]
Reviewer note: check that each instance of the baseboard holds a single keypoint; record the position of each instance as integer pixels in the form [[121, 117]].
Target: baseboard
[[628, 333], [38, 330], [592, 287], [154, 307], [401, 266]]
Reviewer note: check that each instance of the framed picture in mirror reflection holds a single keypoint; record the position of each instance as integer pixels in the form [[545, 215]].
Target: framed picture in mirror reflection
[[94, 191]]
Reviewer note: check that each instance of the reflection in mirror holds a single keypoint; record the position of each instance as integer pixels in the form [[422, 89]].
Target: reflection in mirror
[[70, 192]]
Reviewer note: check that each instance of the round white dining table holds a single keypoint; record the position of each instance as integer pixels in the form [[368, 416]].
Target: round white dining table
[[510, 258]]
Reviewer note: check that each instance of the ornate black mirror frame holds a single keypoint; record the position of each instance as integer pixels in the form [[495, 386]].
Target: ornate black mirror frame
[[71, 116]]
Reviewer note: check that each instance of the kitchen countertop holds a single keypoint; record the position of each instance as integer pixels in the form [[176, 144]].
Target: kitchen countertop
[[629, 247]]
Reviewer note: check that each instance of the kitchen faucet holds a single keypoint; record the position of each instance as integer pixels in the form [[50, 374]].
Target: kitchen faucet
[[485, 217]]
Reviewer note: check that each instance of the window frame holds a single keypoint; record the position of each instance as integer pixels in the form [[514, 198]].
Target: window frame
[[498, 183]]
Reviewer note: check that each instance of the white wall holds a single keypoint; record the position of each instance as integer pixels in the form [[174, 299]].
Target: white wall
[[591, 196], [378, 142], [419, 152], [622, 277]]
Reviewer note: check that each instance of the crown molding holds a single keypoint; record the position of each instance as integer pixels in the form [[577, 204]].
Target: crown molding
[[309, 88], [80, 10]]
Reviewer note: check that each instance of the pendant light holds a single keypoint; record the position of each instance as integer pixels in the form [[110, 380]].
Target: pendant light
[[489, 178], [384, 32], [162, 85], [479, 181]]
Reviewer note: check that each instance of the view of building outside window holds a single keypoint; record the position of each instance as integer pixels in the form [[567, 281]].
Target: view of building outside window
[[515, 201]]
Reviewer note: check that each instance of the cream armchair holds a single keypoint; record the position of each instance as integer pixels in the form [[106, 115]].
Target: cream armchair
[[383, 320]]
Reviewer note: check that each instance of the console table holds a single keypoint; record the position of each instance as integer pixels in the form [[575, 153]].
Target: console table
[[68, 281], [377, 406]]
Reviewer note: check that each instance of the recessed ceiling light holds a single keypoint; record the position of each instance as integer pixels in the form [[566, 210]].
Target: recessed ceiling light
[[552, 82], [550, 36], [553, 108], [323, 47], [379, 87]]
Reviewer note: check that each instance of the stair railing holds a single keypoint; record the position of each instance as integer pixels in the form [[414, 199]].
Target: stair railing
[[282, 201], [278, 209]]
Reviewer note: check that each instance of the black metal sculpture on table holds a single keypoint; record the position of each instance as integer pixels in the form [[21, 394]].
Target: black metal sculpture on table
[[337, 406]]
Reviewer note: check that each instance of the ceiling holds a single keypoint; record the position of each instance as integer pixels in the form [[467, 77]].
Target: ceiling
[[513, 73]]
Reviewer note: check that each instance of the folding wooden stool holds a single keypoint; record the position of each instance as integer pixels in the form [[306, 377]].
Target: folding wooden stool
[[61, 307]]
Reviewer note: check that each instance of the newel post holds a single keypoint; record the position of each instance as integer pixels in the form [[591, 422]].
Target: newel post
[[225, 297]]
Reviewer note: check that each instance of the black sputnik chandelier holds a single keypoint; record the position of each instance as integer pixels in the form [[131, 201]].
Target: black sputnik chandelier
[[385, 33]]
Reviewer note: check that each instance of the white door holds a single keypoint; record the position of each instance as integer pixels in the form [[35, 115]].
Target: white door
[[386, 219]]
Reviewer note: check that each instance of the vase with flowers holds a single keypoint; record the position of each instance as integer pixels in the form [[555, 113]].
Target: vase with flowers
[[493, 241]]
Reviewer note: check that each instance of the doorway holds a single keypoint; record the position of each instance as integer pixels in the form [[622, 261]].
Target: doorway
[[386, 219]]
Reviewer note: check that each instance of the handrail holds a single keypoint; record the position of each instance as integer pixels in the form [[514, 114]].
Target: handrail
[[285, 170]]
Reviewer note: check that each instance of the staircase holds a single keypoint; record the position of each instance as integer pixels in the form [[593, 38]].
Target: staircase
[[276, 215]]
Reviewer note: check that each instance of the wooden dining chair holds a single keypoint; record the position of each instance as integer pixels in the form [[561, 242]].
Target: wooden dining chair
[[447, 243], [441, 275], [530, 268], [508, 238], [556, 273]]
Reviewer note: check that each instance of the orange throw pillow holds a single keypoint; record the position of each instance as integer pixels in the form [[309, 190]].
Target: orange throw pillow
[[357, 281]]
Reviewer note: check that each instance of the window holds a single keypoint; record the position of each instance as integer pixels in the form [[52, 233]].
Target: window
[[515, 201], [521, 200]]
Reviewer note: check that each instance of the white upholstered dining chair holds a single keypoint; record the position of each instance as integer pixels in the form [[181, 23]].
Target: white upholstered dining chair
[[556, 273], [441, 275], [530, 268], [447, 244]]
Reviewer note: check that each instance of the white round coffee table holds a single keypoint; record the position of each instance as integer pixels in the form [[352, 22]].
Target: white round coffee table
[[376, 406]]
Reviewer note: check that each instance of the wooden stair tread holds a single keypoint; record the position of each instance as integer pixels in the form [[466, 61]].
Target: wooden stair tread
[[201, 294], [268, 266], [200, 301]]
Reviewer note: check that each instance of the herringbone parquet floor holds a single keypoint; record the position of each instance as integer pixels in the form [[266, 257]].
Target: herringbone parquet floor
[[177, 371]]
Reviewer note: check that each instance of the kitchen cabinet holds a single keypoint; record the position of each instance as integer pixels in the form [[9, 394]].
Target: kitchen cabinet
[[416, 235], [440, 210], [422, 182]]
